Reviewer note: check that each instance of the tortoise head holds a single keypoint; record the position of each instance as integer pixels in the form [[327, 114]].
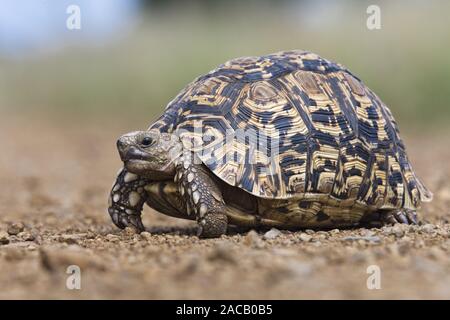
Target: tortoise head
[[149, 153]]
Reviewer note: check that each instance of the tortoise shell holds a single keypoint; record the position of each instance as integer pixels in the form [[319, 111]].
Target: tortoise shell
[[332, 134]]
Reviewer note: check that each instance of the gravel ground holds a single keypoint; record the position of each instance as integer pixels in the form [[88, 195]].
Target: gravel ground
[[55, 182]]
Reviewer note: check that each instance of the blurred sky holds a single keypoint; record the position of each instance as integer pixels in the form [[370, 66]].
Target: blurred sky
[[28, 25], [38, 26]]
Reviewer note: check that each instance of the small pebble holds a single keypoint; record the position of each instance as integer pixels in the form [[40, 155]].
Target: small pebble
[[4, 239], [15, 228], [272, 234], [398, 230], [252, 239], [305, 237], [334, 231], [26, 236], [129, 231], [146, 235], [322, 237], [386, 230], [428, 228]]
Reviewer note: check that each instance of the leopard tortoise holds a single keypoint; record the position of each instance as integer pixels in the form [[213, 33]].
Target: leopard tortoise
[[286, 140]]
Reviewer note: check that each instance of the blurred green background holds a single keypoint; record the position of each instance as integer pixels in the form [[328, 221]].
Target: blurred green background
[[143, 59]]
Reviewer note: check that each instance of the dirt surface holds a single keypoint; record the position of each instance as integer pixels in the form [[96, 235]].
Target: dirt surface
[[55, 181]]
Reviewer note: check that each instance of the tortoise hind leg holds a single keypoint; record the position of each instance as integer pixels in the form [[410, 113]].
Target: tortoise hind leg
[[387, 217]]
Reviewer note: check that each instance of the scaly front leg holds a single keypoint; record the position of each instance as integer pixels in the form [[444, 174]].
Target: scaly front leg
[[127, 199], [202, 196]]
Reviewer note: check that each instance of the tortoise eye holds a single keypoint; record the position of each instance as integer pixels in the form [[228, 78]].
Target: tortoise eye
[[147, 141]]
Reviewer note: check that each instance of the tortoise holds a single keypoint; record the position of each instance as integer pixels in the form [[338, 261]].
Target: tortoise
[[287, 140]]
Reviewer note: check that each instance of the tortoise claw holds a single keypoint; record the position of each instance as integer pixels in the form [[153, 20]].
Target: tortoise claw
[[412, 217], [123, 220], [401, 216]]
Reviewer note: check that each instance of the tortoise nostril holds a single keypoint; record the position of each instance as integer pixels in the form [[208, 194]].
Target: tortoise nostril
[[121, 145]]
